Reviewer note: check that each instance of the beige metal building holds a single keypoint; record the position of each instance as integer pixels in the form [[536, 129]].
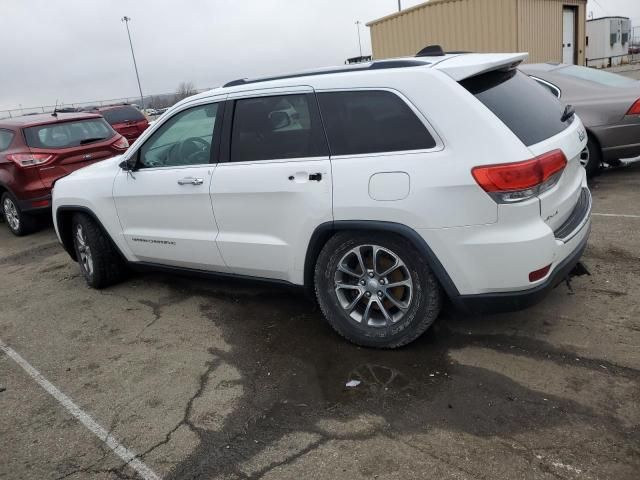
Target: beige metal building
[[550, 30]]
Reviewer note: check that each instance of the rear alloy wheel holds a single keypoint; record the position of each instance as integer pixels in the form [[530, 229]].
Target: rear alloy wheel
[[18, 222], [100, 263], [591, 158], [375, 289]]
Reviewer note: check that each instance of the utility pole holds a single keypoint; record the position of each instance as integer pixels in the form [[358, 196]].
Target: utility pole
[[359, 41], [126, 21], [399, 5]]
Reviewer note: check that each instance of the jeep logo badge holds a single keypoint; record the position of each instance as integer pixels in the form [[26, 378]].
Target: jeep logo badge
[[581, 134]]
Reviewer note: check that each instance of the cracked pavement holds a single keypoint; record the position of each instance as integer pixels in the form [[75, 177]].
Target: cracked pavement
[[230, 380]]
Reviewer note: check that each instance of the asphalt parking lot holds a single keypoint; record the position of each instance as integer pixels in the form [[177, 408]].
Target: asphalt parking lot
[[211, 379]]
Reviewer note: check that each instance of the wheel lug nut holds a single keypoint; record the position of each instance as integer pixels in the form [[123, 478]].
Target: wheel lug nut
[[367, 294], [362, 282], [371, 274], [382, 281], [379, 294]]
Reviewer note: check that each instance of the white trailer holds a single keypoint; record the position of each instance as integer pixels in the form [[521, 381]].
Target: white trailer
[[608, 41]]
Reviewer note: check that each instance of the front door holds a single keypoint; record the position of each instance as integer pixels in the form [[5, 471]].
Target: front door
[[164, 205], [569, 36], [274, 187]]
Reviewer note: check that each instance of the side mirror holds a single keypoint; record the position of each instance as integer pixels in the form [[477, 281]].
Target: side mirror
[[127, 165], [279, 120]]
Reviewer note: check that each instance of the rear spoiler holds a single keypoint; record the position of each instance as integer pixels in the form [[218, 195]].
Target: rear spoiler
[[468, 65]]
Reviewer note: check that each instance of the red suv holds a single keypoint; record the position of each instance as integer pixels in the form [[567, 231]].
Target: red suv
[[126, 120], [37, 150]]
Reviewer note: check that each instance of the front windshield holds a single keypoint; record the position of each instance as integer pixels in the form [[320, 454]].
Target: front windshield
[[597, 76]]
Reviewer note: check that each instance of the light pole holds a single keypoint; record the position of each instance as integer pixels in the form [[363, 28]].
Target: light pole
[[126, 21], [399, 6], [359, 41]]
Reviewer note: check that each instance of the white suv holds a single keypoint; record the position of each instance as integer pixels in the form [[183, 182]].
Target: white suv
[[386, 187]]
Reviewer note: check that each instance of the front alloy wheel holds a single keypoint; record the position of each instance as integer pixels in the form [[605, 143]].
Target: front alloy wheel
[[84, 251], [11, 214]]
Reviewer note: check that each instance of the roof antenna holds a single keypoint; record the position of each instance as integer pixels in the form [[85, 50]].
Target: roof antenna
[[55, 110]]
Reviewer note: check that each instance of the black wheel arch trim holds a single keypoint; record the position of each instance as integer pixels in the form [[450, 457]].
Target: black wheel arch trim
[[324, 231], [67, 242]]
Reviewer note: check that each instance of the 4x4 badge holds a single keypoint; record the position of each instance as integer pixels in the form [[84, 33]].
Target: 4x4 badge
[[581, 134]]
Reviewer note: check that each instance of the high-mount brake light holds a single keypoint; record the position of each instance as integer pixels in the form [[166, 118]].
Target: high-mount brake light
[[29, 159], [519, 181]]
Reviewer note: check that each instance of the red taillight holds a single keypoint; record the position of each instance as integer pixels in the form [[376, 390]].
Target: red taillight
[[121, 143], [635, 108], [29, 159], [538, 274], [513, 182]]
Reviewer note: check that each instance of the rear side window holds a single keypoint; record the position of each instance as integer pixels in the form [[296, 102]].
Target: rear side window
[[122, 115], [6, 136], [68, 134], [521, 103], [278, 127], [369, 121]]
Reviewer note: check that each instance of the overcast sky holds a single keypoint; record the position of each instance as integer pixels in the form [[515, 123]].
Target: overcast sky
[[77, 50]]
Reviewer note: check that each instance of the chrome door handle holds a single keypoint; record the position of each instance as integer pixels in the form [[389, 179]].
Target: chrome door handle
[[191, 181]]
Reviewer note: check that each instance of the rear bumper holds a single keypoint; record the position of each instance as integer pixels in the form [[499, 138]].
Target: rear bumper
[[619, 141], [35, 204], [513, 301]]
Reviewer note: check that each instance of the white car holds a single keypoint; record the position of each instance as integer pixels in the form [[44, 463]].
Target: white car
[[409, 181]]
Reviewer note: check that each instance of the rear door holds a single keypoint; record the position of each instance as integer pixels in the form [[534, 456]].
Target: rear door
[[273, 184], [568, 36]]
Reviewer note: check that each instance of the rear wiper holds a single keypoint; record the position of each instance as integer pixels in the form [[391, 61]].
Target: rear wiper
[[569, 112], [91, 140]]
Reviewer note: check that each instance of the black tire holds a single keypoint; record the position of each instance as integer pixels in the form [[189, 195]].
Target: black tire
[[19, 222], [106, 265], [594, 161], [422, 306]]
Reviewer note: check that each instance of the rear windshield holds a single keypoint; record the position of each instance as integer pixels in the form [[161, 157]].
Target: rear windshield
[[5, 139], [122, 115], [521, 103], [68, 134], [607, 79]]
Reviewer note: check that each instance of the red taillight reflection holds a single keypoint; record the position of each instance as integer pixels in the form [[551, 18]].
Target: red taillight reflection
[[509, 177], [40, 203], [538, 274], [122, 143]]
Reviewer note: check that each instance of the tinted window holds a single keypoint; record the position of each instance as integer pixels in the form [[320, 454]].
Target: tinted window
[[5, 139], [278, 127], [598, 76], [521, 103], [371, 121], [184, 139], [68, 134], [122, 115]]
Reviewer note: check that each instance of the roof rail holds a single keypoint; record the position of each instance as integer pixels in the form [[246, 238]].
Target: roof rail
[[378, 65]]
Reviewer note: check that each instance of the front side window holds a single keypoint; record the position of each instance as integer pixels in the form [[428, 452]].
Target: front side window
[[371, 121], [68, 134], [278, 127], [5, 139], [184, 139]]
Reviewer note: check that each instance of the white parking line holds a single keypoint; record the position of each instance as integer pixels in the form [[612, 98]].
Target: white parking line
[[614, 215], [124, 453]]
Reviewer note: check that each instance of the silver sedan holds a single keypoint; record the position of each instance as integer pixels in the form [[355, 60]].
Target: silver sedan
[[608, 105]]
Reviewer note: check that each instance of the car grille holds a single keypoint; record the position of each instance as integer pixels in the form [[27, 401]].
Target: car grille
[[577, 219]]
